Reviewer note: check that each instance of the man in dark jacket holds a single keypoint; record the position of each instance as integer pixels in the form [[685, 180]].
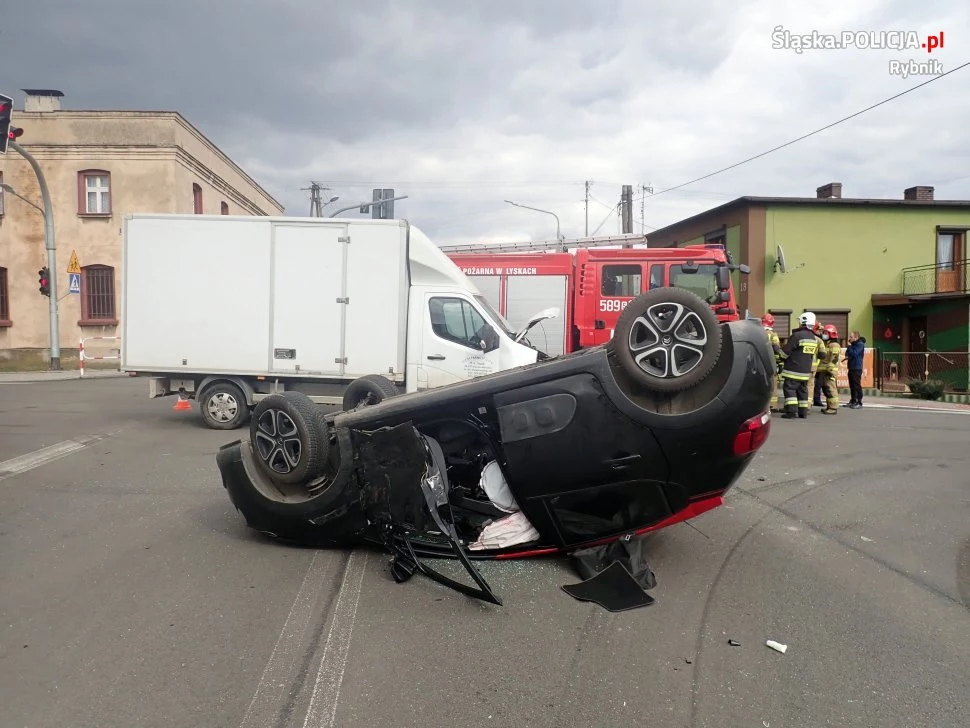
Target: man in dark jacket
[[854, 354]]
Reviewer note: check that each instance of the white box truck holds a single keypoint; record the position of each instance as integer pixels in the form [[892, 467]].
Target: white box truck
[[227, 310]]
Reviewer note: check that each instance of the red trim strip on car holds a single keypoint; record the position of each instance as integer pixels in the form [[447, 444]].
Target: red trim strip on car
[[699, 505]]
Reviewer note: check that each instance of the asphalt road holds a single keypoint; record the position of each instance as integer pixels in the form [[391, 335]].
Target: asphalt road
[[131, 593]]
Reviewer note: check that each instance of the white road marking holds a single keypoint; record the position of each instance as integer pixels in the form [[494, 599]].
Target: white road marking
[[23, 463], [266, 701], [326, 690]]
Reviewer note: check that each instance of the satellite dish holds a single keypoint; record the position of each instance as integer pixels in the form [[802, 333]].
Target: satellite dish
[[780, 260]]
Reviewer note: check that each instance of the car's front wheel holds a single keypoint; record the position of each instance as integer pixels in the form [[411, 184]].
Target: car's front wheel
[[667, 340]]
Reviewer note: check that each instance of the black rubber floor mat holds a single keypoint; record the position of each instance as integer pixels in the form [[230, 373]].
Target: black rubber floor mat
[[613, 588]]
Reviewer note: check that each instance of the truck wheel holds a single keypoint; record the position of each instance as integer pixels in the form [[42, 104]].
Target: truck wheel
[[223, 406], [667, 339], [368, 390], [290, 437]]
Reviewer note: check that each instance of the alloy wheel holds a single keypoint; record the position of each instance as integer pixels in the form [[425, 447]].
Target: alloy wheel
[[278, 441], [668, 340]]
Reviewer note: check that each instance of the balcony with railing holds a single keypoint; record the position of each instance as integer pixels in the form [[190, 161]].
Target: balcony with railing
[[928, 280]]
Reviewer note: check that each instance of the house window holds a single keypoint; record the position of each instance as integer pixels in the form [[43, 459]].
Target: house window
[[950, 248], [94, 192], [454, 319], [838, 317], [4, 299], [621, 280], [197, 199], [98, 295], [224, 208], [782, 325]]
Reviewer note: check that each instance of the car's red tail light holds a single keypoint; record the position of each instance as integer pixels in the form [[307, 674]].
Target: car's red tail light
[[752, 434]]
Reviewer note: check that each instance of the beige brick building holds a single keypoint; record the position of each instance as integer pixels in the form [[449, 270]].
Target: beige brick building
[[99, 166]]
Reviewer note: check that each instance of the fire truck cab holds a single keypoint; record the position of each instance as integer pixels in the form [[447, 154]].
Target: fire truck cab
[[592, 286]]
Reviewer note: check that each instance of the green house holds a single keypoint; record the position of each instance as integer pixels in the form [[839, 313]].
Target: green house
[[896, 270]]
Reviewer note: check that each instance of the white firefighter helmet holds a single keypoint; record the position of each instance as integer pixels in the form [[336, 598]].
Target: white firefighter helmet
[[807, 319]]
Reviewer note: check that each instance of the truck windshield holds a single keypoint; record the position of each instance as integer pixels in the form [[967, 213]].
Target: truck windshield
[[703, 282], [498, 318]]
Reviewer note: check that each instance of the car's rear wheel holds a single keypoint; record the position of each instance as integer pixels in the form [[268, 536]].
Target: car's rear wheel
[[368, 390], [667, 340], [290, 438]]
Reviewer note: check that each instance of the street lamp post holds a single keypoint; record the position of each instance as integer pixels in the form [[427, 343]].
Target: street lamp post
[[559, 237], [51, 252], [367, 204]]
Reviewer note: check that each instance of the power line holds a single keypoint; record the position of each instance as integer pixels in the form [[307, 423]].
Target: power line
[[805, 136], [611, 213]]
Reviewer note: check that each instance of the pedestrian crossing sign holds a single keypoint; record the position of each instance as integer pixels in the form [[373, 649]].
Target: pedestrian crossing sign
[[74, 285], [74, 267]]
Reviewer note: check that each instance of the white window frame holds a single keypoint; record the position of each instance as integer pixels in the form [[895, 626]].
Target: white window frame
[[101, 193]]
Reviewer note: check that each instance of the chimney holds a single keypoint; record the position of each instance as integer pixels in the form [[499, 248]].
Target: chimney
[[42, 99], [831, 190], [919, 193]]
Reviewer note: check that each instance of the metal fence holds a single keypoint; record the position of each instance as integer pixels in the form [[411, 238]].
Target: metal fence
[[953, 277], [894, 370]]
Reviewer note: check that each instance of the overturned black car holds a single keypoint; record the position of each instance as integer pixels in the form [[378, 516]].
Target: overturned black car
[[572, 452]]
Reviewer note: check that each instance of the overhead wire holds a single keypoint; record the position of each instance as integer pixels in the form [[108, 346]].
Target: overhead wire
[[812, 133]]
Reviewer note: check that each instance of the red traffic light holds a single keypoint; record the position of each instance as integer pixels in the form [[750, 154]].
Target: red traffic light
[[15, 131]]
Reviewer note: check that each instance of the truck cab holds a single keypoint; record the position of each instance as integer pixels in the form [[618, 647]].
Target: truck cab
[[607, 280], [594, 285]]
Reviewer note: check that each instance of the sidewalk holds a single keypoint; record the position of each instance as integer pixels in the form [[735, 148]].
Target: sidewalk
[[61, 376], [883, 402]]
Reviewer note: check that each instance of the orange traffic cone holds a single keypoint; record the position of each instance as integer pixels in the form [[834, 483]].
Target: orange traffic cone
[[182, 404]]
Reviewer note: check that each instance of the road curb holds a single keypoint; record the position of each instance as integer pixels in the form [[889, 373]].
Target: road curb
[[34, 377]]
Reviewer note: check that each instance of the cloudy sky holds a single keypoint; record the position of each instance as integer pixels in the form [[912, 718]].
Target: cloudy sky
[[461, 105]]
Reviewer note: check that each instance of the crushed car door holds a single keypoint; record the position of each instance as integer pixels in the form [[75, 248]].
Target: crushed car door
[[452, 342], [405, 489]]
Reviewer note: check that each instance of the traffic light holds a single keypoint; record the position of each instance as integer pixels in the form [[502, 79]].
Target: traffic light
[[44, 279], [6, 109]]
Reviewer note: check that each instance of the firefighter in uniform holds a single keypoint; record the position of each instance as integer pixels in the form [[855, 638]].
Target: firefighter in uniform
[[768, 321], [829, 369], [814, 384], [799, 354]]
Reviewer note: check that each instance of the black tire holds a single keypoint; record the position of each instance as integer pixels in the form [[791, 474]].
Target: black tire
[[223, 406], [368, 390], [284, 513], [667, 340], [290, 438]]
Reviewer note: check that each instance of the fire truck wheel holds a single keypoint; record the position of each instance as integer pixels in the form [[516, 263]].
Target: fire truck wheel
[[368, 390], [667, 340]]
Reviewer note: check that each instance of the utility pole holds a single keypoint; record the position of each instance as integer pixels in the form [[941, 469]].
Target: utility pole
[[588, 183], [316, 208], [316, 198], [644, 191], [627, 207]]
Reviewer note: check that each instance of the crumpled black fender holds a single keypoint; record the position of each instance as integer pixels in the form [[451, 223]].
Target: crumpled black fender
[[331, 518]]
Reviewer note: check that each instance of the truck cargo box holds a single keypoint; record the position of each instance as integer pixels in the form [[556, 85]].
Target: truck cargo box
[[264, 296]]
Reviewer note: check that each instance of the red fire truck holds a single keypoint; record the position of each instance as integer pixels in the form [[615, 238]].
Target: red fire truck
[[592, 286]]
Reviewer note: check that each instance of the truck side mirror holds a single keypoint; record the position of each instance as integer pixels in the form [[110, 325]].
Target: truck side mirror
[[723, 296], [744, 268], [489, 340], [723, 278]]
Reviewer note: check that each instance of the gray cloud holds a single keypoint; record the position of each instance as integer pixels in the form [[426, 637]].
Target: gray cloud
[[463, 105]]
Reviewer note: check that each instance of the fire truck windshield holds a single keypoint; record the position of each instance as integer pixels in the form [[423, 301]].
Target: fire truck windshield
[[703, 282]]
